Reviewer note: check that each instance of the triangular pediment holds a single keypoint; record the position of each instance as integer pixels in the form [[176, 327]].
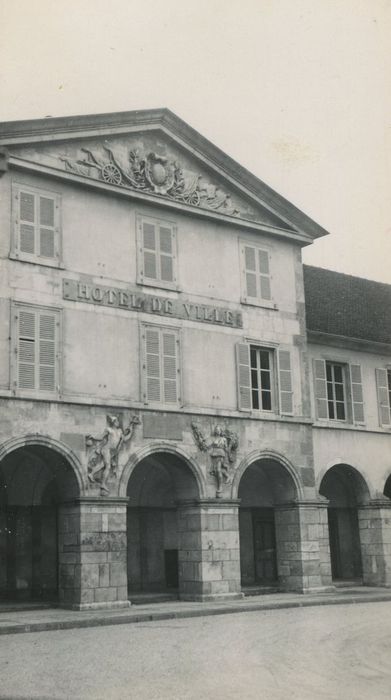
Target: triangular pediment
[[151, 154]]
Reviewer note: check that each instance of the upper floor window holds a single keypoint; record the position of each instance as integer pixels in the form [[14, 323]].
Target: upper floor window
[[36, 225], [160, 365], [264, 379], [256, 278], [36, 339], [383, 385], [338, 391], [156, 245]]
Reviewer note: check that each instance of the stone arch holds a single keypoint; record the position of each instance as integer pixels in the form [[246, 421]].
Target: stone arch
[[258, 455], [37, 475], [154, 449], [358, 471], [347, 492], [347, 473], [13, 444]]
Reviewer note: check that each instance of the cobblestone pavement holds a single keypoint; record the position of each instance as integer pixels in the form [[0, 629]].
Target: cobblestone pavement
[[334, 653]]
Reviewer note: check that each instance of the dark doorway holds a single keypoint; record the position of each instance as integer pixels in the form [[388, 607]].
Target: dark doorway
[[33, 481], [264, 485], [345, 490], [155, 487], [171, 567]]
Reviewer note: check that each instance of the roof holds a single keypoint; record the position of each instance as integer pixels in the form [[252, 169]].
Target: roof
[[61, 129], [343, 305]]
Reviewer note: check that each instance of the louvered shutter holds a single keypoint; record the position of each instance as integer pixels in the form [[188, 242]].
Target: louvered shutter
[[250, 271], [383, 401], [47, 352], [149, 250], [357, 394], [166, 254], [26, 222], [26, 348], [320, 388], [243, 376], [47, 227], [170, 366], [285, 382], [152, 365], [264, 280]]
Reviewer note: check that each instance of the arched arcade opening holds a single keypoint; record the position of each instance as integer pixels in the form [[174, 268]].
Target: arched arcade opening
[[156, 487], [346, 490], [264, 485], [34, 481]]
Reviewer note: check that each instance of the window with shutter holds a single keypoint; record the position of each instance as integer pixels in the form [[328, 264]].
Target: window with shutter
[[256, 379], [36, 217], [156, 252], [256, 280], [36, 341], [383, 386], [338, 391], [161, 365]]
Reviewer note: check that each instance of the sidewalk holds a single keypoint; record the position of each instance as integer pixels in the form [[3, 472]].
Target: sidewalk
[[37, 619]]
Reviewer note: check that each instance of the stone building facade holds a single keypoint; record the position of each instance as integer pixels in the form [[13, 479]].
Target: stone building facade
[[168, 419]]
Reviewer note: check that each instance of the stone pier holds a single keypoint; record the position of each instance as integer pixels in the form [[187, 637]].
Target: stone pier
[[374, 521], [209, 558], [300, 557], [92, 554]]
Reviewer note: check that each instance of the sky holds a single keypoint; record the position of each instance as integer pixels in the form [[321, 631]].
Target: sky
[[297, 91]]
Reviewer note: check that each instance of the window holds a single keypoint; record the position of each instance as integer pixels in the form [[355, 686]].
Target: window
[[36, 217], [383, 385], [256, 280], [257, 379], [338, 391], [161, 365], [36, 334], [156, 252]]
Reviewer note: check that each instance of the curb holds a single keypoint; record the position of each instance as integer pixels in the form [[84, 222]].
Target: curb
[[55, 625]]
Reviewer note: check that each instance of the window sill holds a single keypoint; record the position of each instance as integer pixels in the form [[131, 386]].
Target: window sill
[[262, 303], [157, 284], [42, 262]]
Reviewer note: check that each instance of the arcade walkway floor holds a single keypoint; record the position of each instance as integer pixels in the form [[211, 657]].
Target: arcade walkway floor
[[339, 652]]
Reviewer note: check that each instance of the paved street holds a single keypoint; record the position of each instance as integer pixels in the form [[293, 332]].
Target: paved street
[[336, 652]]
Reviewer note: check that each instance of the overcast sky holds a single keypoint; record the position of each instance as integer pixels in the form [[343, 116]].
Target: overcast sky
[[298, 91]]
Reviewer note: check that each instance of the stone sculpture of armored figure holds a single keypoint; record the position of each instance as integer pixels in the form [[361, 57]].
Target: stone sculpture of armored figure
[[222, 449], [219, 457], [103, 457]]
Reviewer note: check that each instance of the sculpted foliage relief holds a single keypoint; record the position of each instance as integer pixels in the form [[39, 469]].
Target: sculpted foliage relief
[[152, 173]]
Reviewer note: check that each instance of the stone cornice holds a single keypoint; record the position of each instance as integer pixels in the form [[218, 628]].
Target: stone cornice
[[342, 341]]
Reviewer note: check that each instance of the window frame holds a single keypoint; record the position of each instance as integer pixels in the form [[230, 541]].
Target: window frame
[[354, 402], [15, 252], [245, 298], [272, 369], [140, 277], [161, 328], [281, 378], [344, 367], [16, 307]]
